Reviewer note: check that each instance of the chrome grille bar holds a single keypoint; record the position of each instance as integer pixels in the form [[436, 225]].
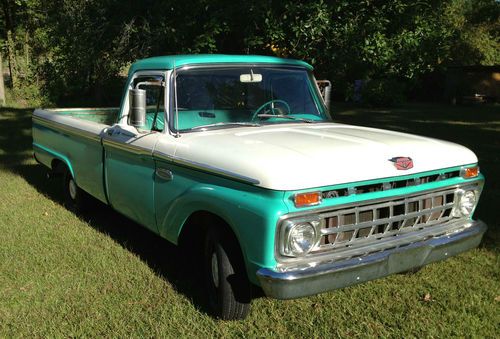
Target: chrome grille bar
[[367, 223]]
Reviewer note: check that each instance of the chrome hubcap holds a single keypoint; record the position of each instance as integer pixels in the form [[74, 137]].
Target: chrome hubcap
[[72, 189], [215, 270]]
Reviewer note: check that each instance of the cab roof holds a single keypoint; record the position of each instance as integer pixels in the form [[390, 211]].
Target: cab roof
[[168, 62]]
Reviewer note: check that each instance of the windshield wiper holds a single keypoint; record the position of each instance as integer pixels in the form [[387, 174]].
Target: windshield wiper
[[284, 117], [220, 124]]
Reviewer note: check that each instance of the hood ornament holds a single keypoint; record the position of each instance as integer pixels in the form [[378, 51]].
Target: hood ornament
[[402, 163]]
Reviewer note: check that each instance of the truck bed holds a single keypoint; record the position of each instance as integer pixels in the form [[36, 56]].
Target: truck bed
[[107, 116], [72, 136]]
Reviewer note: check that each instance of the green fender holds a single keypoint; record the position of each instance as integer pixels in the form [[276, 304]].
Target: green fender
[[252, 215], [54, 155]]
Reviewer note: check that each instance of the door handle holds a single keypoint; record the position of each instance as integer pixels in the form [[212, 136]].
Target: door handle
[[109, 131], [164, 174], [126, 131]]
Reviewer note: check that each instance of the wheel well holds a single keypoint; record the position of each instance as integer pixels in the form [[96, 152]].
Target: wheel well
[[194, 230], [57, 166]]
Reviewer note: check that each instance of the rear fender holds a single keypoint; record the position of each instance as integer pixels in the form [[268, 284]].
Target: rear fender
[[43, 152]]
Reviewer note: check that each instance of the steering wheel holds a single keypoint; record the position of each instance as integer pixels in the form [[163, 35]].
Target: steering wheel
[[272, 110]]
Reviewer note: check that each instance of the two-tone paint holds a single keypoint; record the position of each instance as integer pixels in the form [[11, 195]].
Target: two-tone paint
[[246, 176]]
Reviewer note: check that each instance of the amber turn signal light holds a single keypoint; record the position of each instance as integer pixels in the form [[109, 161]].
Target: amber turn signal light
[[470, 172], [307, 199]]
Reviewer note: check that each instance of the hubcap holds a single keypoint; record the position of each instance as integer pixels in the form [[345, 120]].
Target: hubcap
[[215, 270], [72, 189]]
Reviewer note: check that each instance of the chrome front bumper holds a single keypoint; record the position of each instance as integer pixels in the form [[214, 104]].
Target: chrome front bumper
[[332, 275]]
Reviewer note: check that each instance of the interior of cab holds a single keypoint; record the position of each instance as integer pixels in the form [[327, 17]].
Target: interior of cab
[[243, 94]]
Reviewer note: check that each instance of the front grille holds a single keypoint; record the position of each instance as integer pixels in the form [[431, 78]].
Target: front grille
[[350, 227], [389, 185]]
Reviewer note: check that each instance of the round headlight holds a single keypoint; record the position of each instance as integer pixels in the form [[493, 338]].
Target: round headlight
[[301, 239], [466, 203]]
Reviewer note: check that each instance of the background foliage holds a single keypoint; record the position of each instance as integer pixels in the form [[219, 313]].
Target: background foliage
[[72, 51]]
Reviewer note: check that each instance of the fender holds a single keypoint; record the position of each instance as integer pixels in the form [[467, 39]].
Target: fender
[[54, 155], [251, 216]]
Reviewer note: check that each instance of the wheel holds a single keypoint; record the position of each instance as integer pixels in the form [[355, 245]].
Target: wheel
[[74, 197], [272, 110], [228, 288]]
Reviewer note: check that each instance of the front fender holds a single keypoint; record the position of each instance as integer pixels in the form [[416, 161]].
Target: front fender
[[251, 212]]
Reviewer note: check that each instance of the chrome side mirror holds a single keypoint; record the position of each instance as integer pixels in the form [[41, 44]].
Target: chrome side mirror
[[137, 107], [325, 87]]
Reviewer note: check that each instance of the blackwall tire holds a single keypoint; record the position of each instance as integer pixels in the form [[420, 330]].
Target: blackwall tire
[[227, 286]]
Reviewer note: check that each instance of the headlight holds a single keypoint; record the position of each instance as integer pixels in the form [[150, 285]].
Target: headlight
[[466, 203], [299, 239]]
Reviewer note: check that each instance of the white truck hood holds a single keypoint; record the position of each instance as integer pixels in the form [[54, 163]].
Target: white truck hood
[[299, 156]]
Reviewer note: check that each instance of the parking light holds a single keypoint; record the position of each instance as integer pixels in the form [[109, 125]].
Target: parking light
[[469, 172], [307, 199]]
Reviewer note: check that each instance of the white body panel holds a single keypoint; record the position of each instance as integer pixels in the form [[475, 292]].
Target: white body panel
[[302, 156], [296, 156]]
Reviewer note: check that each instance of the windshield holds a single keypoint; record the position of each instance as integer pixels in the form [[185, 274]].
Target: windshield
[[223, 97]]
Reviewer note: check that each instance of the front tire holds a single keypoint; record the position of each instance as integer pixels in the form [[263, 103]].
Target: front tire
[[228, 288]]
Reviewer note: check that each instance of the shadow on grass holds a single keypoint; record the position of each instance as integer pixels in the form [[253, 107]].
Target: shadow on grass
[[160, 255], [15, 135]]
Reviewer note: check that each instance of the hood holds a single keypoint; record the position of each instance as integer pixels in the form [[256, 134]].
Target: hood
[[300, 156]]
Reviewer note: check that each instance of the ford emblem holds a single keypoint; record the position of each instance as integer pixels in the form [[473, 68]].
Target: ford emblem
[[402, 163]]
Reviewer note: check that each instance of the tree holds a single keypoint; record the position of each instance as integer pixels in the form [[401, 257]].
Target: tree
[[76, 49]]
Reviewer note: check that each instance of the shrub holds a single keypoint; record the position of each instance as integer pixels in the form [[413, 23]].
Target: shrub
[[383, 92]]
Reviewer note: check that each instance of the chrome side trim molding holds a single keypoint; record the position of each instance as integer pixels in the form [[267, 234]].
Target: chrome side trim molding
[[121, 146], [205, 168], [79, 109], [66, 129]]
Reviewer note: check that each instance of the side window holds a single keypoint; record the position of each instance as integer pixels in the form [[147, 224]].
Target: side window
[[155, 100]]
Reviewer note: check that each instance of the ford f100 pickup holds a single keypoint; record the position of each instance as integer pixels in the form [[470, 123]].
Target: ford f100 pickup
[[238, 159]]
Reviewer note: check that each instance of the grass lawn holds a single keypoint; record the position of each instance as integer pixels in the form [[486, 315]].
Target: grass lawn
[[99, 274]]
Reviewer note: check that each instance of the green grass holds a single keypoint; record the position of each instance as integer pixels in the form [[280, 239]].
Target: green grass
[[98, 274]]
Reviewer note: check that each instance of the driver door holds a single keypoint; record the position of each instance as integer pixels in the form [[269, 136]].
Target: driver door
[[129, 165]]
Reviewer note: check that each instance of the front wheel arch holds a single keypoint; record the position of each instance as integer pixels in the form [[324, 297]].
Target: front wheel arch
[[196, 225], [198, 228]]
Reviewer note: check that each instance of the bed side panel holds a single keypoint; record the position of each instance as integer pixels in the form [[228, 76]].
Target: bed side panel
[[74, 141]]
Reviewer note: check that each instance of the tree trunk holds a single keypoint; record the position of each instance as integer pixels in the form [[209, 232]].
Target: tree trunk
[[10, 41], [2, 87]]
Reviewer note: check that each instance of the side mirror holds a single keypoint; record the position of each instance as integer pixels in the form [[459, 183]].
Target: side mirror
[[325, 87], [137, 107]]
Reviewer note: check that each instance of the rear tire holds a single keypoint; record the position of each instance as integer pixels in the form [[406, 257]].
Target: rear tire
[[75, 198], [228, 288]]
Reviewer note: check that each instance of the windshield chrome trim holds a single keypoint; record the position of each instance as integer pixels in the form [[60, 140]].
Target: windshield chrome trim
[[170, 74], [220, 125]]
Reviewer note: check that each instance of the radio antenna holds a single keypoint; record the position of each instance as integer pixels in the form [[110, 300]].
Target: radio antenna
[[177, 134]]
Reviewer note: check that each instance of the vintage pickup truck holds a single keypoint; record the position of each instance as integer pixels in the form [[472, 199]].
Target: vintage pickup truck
[[237, 159]]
